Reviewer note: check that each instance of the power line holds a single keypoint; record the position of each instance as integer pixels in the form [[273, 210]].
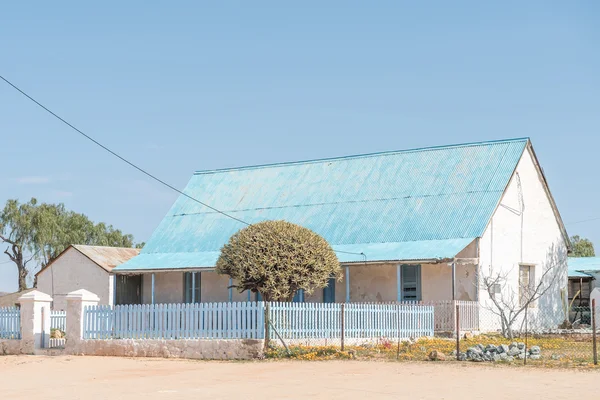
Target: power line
[[582, 221], [117, 155], [132, 164]]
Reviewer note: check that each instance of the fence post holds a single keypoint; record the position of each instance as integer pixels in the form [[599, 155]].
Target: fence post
[[76, 303], [457, 333], [267, 324], [343, 325], [526, 328], [594, 332], [398, 321]]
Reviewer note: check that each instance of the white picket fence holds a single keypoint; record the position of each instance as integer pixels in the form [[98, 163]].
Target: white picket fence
[[445, 315], [243, 320], [353, 320], [10, 323], [58, 320]]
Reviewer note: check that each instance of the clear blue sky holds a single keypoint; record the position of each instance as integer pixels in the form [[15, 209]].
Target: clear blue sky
[[195, 85]]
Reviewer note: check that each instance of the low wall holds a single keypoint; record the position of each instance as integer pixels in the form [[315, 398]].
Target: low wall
[[215, 349], [11, 347]]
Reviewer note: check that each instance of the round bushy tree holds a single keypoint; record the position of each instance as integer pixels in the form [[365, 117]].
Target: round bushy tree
[[278, 258]]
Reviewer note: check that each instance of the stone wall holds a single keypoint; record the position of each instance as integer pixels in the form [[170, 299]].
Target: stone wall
[[12, 347], [214, 349]]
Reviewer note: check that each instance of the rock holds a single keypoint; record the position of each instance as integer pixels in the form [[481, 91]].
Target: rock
[[502, 348], [535, 350], [468, 335], [453, 354], [487, 357], [535, 356], [498, 357], [437, 356], [513, 345], [477, 357], [462, 356], [521, 356], [480, 346], [491, 348], [474, 350], [513, 352], [56, 334], [510, 359], [521, 346]]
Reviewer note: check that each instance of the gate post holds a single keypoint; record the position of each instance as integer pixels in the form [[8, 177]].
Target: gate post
[[35, 321], [76, 303]]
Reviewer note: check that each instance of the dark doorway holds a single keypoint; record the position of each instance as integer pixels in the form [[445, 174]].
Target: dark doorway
[[128, 289]]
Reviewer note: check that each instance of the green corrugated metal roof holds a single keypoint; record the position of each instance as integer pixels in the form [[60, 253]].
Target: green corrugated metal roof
[[391, 206]]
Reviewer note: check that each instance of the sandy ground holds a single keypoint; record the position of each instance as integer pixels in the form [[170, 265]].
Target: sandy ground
[[29, 377]]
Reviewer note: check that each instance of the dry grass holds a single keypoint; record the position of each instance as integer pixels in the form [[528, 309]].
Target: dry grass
[[556, 351]]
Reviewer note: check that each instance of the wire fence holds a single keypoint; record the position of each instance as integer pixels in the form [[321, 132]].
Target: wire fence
[[462, 331]]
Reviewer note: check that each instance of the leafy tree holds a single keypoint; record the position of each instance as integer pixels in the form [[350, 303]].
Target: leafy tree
[[38, 233], [582, 247], [276, 259]]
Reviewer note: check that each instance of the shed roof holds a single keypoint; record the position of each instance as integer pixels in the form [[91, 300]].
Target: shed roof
[[403, 205], [104, 256], [584, 264]]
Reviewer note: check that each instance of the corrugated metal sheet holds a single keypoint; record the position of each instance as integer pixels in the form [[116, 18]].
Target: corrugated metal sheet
[[107, 257], [409, 251], [421, 195], [584, 264]]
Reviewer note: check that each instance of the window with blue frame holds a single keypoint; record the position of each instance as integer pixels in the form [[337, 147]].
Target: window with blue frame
[[191, 283], [329, 291]]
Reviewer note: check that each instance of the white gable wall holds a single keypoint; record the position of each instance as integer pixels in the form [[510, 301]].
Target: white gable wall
[[74, 271], [533, 238]]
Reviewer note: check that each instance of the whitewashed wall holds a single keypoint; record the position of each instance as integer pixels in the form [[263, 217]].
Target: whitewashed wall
[[73, 271], [539, 242]]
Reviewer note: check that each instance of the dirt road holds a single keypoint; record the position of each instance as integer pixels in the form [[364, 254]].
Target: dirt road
[[29, 377]]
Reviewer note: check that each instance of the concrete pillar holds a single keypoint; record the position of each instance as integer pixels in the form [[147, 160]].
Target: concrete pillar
[[76, 302], [347, 284], [35, 321], [596, 295]]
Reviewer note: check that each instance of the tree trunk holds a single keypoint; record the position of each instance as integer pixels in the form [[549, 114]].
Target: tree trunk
[[22, 278]]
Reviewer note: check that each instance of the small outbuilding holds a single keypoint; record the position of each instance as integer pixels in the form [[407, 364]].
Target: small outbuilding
[[84, 267]]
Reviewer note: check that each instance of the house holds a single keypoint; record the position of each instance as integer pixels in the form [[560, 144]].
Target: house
[[83, 267], [424, 224], [584, 273]]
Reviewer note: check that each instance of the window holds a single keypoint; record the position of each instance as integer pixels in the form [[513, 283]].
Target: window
[[192, 282], [299, 296], [411, 282], [496, 290], [329, 292], [526, 283]]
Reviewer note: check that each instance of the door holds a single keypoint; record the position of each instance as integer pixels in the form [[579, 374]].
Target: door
[[129, 289], [329, 292], [411, 282]]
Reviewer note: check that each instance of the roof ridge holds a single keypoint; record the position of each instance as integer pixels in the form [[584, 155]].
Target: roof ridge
[[365, 155]]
